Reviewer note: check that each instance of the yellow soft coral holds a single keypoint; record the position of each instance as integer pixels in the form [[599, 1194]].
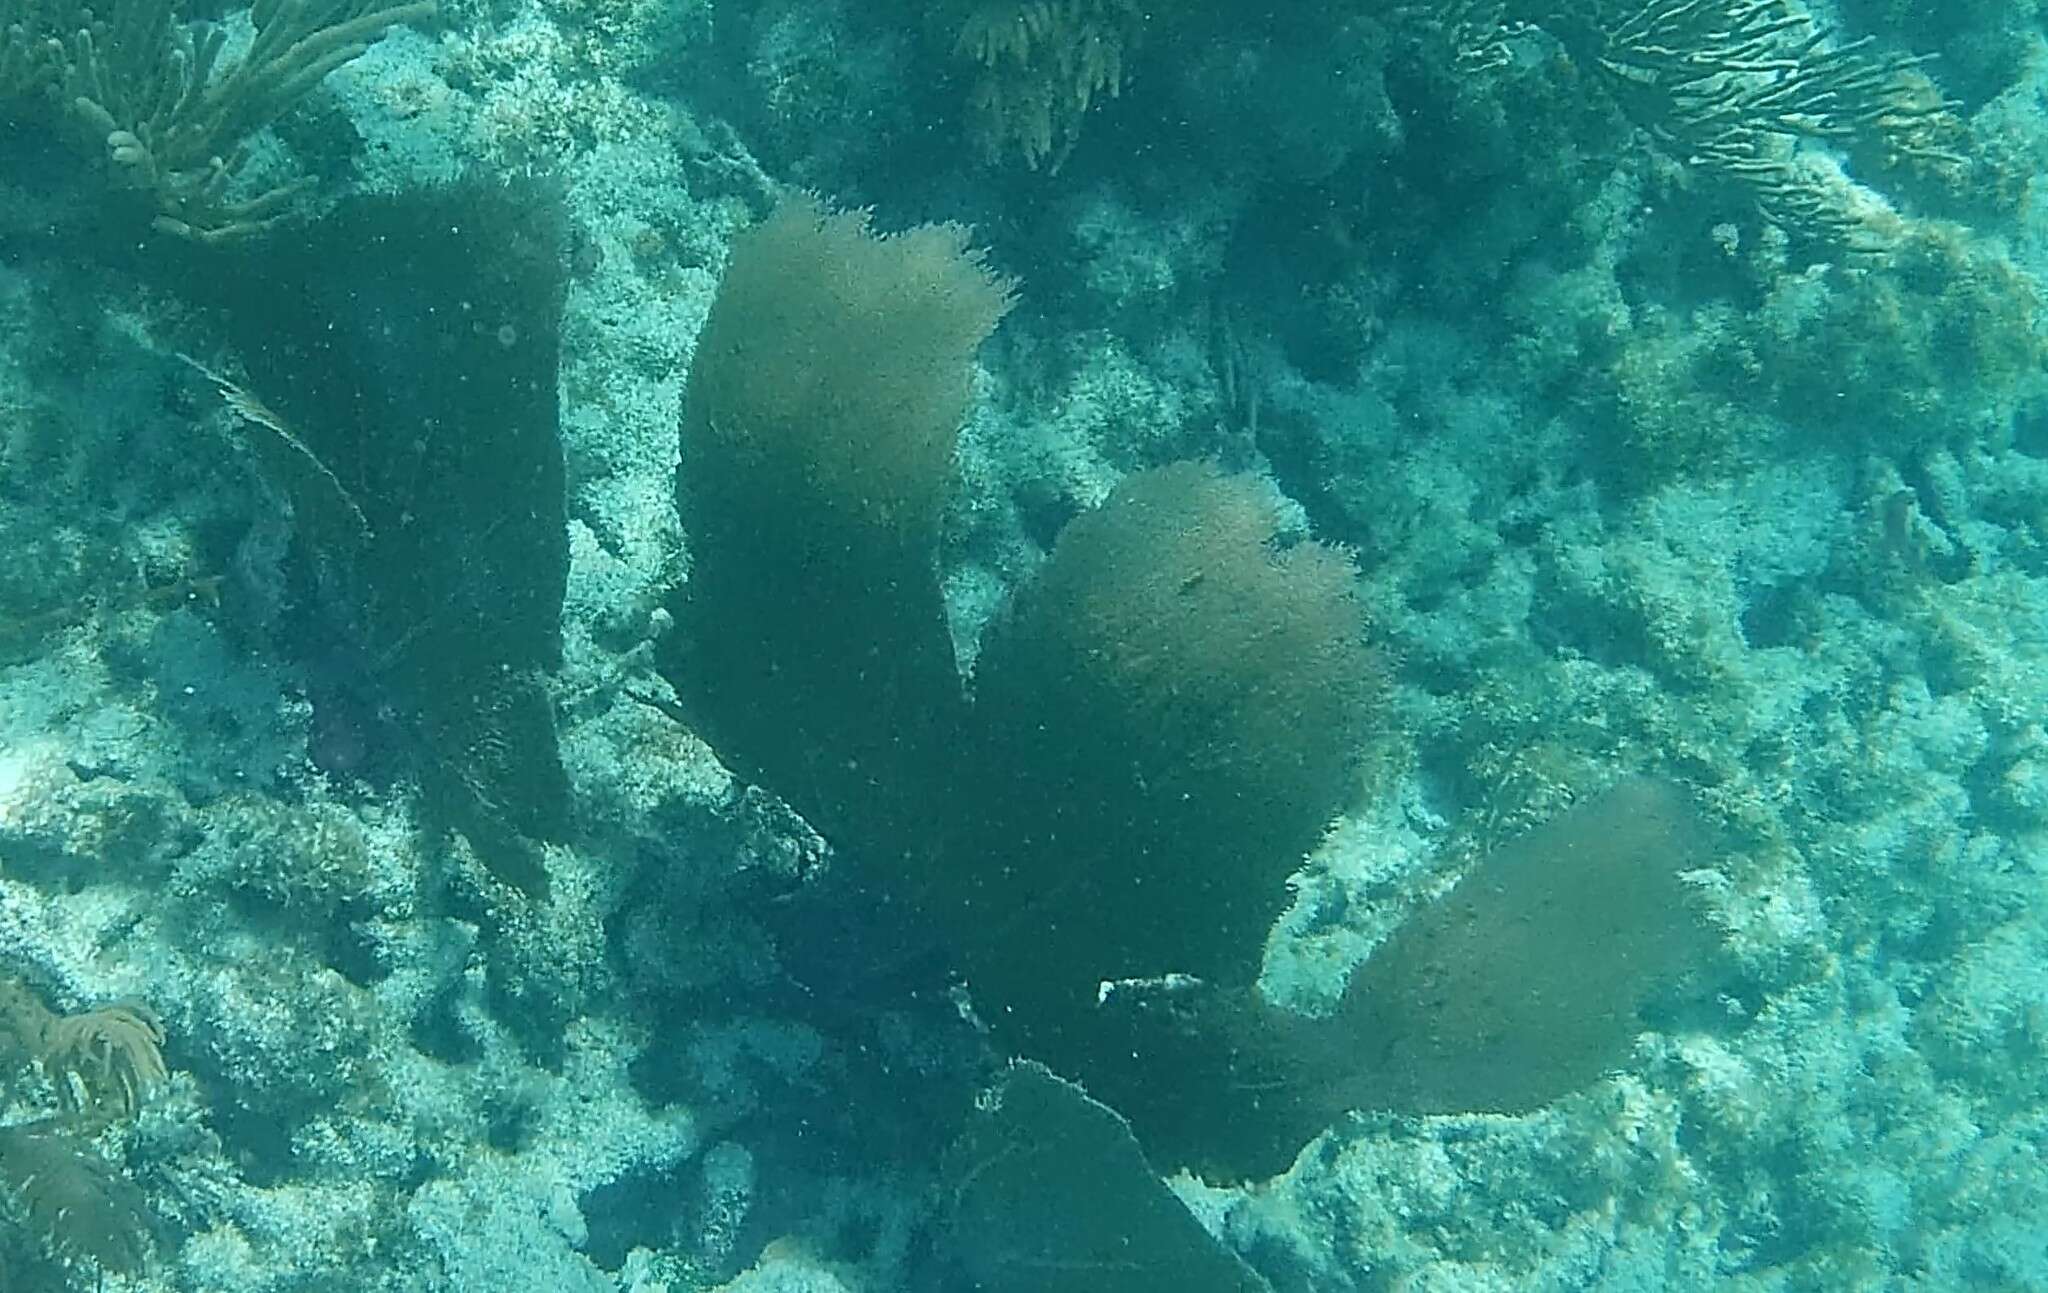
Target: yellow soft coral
[[102, 1061], [105, 1060], [1041, 65]]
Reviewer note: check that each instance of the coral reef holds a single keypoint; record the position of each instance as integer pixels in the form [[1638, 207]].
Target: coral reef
[[1660, 381]]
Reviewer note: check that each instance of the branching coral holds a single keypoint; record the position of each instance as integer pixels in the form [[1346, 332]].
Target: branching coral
[[73, 1200], [1734, 85], [102, 1062], [1733, 88], [29, 60], [171, 117]]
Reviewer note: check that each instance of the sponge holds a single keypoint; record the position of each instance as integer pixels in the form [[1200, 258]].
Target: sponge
[[1528, 981], [1167, 719], [825, 396], [1531, 977]]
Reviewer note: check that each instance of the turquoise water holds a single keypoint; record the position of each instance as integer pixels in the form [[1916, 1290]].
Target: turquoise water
[[1347, 647]]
